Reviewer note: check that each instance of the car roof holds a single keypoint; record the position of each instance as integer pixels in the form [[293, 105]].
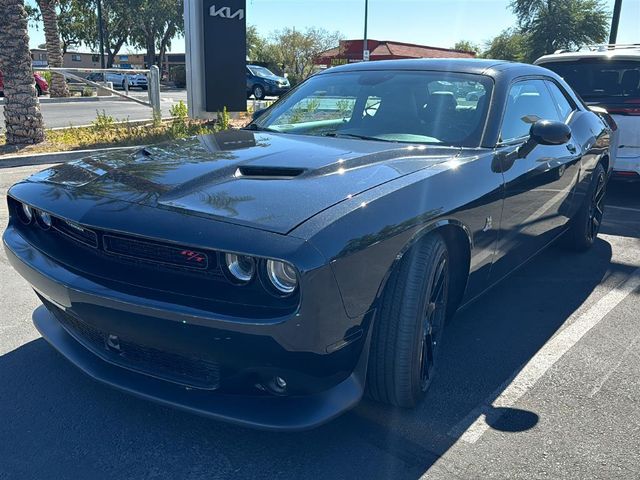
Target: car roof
[[479, 66], [627, 52]]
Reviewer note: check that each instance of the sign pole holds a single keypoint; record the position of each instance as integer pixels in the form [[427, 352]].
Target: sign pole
[[100, 34], [615, 21], [365, 50]]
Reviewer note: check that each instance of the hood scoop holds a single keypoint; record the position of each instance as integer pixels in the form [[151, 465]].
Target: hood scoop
[[268, 173]]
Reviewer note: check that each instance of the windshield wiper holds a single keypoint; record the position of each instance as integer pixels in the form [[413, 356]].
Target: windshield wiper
[[255, 128], [355, 135]]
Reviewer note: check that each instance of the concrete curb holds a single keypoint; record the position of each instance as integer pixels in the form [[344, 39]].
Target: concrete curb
[[56, 157], [68, 99]]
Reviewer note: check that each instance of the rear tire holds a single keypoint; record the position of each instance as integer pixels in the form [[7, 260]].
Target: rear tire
[[408, 330], [585, 226], [38, 90]]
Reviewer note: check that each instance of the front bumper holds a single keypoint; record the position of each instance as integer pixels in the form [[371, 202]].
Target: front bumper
[[266, 412], [275, 90], [247, 354], [626, 168]]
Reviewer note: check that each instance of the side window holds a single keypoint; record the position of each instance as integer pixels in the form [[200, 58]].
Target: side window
[[561, 101], [528, 101]]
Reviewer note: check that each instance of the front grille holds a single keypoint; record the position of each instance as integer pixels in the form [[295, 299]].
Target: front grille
[[170, 366], [156, 252], [76, 232]]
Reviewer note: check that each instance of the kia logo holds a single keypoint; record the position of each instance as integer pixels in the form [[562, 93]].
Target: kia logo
[[225, 12]]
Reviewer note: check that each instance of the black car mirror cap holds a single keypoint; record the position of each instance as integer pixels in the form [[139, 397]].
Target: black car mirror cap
[[545, 132], [550, 132], [258, 113]]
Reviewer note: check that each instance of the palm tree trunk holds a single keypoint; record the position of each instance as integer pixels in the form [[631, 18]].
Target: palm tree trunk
[[58, 87], [22, 117]]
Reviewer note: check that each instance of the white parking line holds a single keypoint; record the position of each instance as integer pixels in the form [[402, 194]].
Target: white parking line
[[602, 380], [542, 361]]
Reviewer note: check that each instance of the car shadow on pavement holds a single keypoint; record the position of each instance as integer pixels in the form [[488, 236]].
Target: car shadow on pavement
[[57, 423], [622, 210]]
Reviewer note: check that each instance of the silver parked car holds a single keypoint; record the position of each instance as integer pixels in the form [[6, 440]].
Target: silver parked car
[[135, 80]]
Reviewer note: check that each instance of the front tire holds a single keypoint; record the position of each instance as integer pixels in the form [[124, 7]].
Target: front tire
[[258, 92], [585, 226], [408, 331]]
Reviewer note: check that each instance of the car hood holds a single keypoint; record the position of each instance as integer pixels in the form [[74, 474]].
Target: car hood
[[274, 78], [269, 181]]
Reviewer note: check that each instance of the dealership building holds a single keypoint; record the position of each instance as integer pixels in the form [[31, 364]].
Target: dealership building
[[350, 51]]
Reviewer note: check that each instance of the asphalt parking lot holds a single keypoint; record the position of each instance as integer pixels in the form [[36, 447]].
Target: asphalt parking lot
[[538, 379]]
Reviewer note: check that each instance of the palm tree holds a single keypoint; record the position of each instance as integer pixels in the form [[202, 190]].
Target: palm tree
[[58, 87], [22, 116]]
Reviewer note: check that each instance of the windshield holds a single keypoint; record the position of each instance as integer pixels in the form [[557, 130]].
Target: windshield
[[399, 106], [261, 72], [600, 78]]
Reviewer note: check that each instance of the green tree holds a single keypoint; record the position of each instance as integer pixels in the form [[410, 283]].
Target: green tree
[[159, 21], [510, 45], [79, 24], [70, 23], [259, 49], [554, 24], [297, 50], [467, 46]]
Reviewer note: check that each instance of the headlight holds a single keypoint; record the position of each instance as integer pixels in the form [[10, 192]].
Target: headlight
[[282, 275], [241, 267], [25, 213], [44, 218]]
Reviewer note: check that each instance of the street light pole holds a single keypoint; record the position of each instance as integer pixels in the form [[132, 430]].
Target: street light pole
[[365, 46], [615, 21], [100, 34]]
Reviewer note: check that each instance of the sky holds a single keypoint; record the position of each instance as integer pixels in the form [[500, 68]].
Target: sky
[[439, 23]]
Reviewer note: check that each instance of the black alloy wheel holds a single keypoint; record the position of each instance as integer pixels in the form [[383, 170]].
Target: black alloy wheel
[[585, 225], [410, 319], [434, 318], [596, 207]]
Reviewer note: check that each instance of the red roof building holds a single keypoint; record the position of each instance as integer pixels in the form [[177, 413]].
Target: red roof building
[[350, 51]]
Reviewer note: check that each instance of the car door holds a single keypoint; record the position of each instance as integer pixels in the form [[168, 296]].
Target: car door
[[539, 186]]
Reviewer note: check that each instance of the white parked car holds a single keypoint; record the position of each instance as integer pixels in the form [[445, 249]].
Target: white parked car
[[136, 80], [608, 76]]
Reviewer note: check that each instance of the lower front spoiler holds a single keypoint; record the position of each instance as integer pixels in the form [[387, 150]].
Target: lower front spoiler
[[285, 413]]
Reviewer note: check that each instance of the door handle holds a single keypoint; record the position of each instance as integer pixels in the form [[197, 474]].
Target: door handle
[[572, 148]]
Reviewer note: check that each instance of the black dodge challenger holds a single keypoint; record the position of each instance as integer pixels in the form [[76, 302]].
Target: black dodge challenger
[[270, 276]]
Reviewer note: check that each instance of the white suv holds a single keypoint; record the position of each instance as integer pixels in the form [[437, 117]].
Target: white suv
[[608, 76]]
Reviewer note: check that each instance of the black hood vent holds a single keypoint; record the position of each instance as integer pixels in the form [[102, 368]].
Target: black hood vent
[[279, 173]]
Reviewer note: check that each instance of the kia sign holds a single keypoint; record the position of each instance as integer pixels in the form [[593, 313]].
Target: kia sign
[[225, 55], [215, 34]]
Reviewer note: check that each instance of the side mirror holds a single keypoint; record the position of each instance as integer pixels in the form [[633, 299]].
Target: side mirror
[[550, 132], [257, 113], [545, 132]]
